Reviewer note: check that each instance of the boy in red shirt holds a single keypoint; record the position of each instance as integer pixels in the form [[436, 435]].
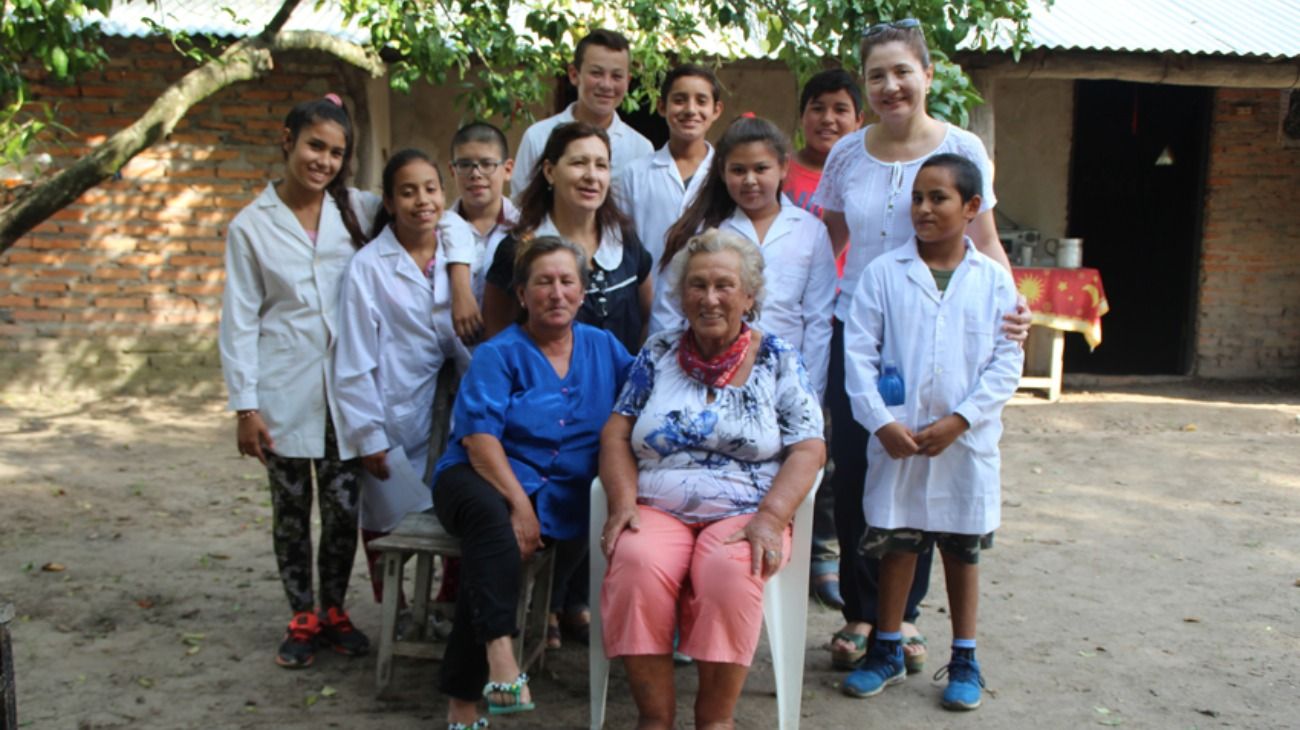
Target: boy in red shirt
[[829, 107]]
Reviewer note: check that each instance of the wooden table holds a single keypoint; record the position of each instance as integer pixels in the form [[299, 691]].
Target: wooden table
[[1062, 300]]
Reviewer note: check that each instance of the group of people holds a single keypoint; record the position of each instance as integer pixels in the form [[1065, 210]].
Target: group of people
[[669, 320]]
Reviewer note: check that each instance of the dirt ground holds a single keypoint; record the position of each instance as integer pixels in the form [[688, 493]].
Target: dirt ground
[[1147, 574]]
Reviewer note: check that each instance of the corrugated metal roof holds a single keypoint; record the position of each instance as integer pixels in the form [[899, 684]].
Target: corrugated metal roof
[[127, 18], [1267, 28]]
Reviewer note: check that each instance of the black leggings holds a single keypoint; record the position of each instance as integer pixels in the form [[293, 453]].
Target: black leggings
[[859, 575], [473, 510]]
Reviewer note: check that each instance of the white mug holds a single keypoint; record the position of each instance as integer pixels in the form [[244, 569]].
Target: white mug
[[1068, 252]]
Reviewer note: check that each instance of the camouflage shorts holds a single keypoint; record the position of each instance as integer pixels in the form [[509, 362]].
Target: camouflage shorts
[[879, 542]]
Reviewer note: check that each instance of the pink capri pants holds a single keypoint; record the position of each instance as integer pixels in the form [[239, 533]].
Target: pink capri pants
[[669, 567]]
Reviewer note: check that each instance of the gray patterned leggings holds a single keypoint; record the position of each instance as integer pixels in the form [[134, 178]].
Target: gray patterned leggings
[[291, 497]]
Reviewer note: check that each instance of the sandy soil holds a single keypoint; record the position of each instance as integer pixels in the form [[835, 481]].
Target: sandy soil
[[1147, 575]]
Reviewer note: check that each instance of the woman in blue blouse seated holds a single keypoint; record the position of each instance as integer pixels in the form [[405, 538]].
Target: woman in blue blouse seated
[[519, 464], [715, 440]]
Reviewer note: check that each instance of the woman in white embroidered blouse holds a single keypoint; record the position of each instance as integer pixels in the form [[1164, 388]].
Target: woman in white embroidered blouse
[[865, 193]]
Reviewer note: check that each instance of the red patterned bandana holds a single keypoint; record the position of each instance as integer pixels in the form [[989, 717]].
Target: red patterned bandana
[[716, 372]]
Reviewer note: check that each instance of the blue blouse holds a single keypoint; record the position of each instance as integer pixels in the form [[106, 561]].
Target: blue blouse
[[549, 426]]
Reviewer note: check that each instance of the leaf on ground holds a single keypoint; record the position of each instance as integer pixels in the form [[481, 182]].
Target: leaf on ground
[[1083, 653], [1102, 710], [144, 603], [1189, 427], [144, 682], [328, 691], [1191, 620], [30, 566], [312, 697], [1037, 470], [218, 556], [54, 567], [194, 649]]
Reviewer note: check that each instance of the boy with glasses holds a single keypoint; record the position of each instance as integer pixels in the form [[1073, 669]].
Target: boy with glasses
[[480, 164]]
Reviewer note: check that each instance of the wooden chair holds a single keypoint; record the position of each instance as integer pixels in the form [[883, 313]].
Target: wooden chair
[[421, 535]]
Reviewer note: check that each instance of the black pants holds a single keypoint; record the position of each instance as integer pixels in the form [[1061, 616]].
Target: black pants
[[859, 575], [473, 510]]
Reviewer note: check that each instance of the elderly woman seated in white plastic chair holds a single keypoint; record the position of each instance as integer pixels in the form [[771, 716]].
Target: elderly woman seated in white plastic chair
[[715, 440]]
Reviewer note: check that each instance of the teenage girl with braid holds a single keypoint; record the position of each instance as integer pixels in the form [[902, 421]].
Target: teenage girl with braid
[[285, 257]]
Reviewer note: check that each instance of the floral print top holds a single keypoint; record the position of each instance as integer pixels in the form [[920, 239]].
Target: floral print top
[[703, 461]]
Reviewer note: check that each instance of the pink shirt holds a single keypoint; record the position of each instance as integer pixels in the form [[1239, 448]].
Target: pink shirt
[[800, 184]]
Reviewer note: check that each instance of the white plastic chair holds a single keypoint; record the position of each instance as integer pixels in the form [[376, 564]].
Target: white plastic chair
[[785, 613]]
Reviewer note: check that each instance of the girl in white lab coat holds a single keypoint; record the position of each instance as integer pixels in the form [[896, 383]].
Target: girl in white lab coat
[[743, 193], [395, 335], [285, 256]]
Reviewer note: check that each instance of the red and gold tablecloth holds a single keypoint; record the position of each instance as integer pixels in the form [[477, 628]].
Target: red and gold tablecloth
[[1071, 300]]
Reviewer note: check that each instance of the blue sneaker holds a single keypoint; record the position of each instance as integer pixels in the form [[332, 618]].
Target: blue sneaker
[[964, 682], [881, 667]]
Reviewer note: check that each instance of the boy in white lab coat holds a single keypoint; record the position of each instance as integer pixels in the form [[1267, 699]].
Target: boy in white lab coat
[[933, 309]]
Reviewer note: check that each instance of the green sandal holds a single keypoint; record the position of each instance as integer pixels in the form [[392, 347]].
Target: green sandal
[[515, 688], [848, 660], [914, 662], [478, 724]]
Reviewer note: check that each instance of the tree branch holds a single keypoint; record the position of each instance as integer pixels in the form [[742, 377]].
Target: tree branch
[[246, 59], [348, 52], [281, 17]]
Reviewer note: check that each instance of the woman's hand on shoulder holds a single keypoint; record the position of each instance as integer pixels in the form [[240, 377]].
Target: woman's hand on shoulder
[[1015, 325], [618, 521], [765, 534], [252, 436]]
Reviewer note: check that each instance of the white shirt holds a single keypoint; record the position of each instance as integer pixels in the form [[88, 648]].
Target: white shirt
[[279, 317], [876, 197], [485, 244], [626, 144], [395, 334], [953, 358], [799, 279], [653, 193]]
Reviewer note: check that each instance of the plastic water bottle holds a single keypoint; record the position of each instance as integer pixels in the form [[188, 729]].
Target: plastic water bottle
[[890, 385]]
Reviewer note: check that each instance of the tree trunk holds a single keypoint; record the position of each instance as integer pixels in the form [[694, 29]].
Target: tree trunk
[[246, 59]]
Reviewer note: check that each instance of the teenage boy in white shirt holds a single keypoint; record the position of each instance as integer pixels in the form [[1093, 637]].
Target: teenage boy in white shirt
[[480, 164], [600, 70], [655, 190], [934, 309]]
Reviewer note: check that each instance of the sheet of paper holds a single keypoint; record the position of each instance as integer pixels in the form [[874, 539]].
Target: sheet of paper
[[385, 503]]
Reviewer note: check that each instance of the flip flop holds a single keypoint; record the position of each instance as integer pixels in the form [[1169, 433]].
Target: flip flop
[[914, 662], [846, 660], [514, 689]]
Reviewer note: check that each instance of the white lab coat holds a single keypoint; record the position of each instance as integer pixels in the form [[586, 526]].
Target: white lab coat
[[395, 335], [953, 358], [485, 244], [652, 192], [279, 317], [799, 276]]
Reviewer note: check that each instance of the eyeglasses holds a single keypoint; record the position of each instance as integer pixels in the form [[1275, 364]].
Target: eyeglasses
[[904, 24], [465, 167]]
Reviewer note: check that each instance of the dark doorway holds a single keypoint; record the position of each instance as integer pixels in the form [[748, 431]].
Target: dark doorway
[[1136, 198]]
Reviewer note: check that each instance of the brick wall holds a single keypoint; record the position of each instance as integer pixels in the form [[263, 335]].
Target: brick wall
[[123, 288], [1248, 322]]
